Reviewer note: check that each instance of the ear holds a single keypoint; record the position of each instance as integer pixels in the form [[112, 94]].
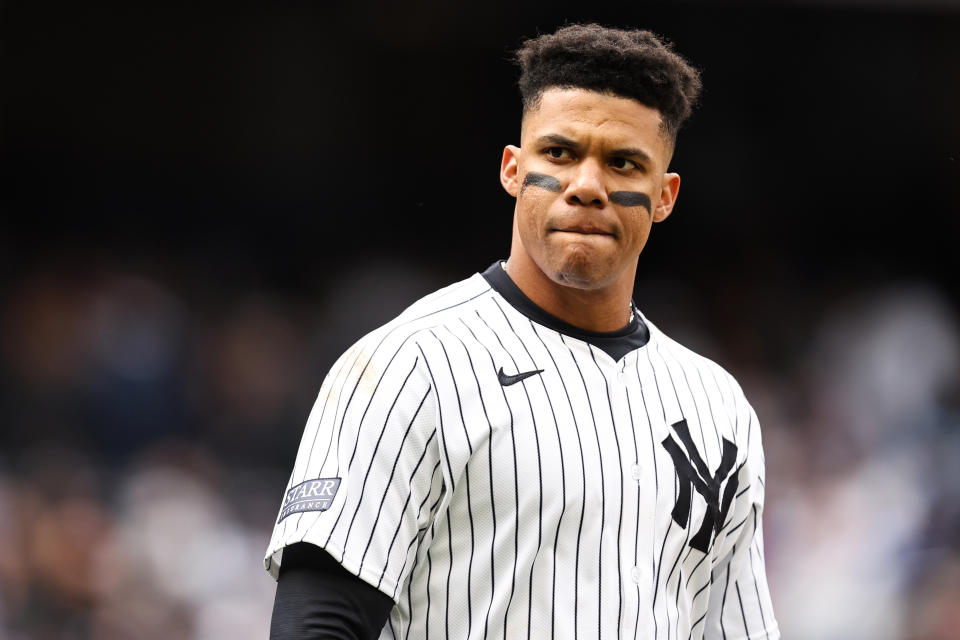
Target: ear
[[669, 189], [509, 170]]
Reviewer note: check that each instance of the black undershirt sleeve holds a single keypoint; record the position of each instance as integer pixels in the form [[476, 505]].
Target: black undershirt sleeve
[[319, 599]]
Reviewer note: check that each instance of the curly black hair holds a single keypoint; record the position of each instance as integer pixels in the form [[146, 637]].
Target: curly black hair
[[631, 64]]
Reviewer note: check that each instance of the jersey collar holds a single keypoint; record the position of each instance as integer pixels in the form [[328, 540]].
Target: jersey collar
[[615, 344]]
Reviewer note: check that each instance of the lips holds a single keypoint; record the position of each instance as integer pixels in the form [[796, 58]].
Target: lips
[[584, 229]]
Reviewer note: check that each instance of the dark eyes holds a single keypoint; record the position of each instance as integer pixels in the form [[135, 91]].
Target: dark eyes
[[562, 153], [623, 163]]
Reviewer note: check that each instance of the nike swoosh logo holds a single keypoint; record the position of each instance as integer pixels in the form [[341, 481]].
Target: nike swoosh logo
[[506, 380]]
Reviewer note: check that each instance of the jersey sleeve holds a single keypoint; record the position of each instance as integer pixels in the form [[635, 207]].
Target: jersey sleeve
[[367, 478], [740, 607]]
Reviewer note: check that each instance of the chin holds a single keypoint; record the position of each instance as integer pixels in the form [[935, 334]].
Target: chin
[[581, 270]]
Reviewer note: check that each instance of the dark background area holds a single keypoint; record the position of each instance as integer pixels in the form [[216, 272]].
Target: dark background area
[[202, 206], [265, 143]]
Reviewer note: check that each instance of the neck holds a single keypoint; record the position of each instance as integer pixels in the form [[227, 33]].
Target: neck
[[604, 309]]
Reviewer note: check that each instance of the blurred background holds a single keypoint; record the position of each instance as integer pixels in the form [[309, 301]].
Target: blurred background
[[202, 206]]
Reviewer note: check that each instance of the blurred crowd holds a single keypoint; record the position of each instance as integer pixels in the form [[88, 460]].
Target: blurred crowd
[[150, 421]]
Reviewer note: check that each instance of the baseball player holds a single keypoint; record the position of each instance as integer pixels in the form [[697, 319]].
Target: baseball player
[[524, 454]]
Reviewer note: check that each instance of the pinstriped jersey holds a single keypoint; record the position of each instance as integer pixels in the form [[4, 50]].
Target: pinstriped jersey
[[502, 474]]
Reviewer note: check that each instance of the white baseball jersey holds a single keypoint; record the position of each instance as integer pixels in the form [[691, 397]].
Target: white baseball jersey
[[502, 474]]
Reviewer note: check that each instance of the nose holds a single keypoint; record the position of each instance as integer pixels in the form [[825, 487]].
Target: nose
[[586, 186]]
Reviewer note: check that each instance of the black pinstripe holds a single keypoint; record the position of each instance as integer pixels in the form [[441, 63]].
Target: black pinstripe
[[636, 527], [493, 536], [407, 502], [376, 447], [658, 562], [563, 493], [466, 476], [516, 480], [313, 447], [603, 492], [583, 506], [539, 464], [616, 438], [383, 498]]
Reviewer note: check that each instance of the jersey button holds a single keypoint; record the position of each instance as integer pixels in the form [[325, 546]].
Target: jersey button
[[635, 575], [635, 472]]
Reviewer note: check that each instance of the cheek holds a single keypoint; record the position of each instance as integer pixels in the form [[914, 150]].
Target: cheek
[[532, 212], [638, 229]]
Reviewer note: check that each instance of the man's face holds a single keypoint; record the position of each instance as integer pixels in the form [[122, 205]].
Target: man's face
[[590, 179]]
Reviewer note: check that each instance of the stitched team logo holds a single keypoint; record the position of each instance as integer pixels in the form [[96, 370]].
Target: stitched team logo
[[693, 471], [312, 495]]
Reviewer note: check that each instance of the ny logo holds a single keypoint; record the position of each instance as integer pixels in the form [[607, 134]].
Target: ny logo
[[694, 471]]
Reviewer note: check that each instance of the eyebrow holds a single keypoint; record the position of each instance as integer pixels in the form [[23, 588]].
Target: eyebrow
[[563, 141], [557, 139], [633, 153]]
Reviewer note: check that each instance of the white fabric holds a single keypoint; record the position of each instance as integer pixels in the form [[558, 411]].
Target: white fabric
[[538, 509]]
